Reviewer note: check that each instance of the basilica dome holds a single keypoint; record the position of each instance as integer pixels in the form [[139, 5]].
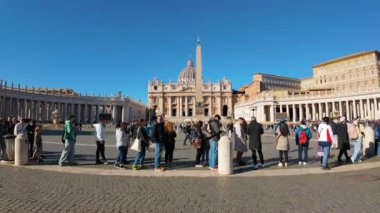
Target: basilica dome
[[187, 75]]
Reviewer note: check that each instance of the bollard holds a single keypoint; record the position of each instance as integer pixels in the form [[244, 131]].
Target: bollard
[[225, 156], [9, 148], [21, 150]]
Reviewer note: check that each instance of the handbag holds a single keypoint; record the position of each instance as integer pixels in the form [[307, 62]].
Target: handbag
[[197, 143], [136, 146]]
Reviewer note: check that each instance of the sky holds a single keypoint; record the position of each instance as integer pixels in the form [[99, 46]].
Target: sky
[[118, 45]]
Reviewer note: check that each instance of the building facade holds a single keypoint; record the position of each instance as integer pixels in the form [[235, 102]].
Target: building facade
[[39, 104], [348, 86], [190, 98]]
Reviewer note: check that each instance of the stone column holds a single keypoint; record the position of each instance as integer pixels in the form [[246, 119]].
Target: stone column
[[114, 113], [327, 109], [294, 113], [307, 112], [123, 114], [271, 111], [319, 111], [178, 108], [78, 112], [314, 112], [211, 112], [85, 115], [377, 112], [340, 109], [354, 108], [287, 111], [373, 111], [301, 112], [333, 107], [186, 107], [348, 111], [280, 108], [91, 114], [368, 109], [169, 106], [97, 107], [361, 109], [181, 106], [65, 111]]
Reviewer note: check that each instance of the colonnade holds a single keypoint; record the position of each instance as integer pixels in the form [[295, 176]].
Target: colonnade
[[41, 107], [365, 107]]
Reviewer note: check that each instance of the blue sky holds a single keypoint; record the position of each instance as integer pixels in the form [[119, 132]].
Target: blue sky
[[107, 46]]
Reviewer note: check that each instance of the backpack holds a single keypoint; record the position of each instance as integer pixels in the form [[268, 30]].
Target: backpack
[[352, 133], [284, 130], [302, 137]]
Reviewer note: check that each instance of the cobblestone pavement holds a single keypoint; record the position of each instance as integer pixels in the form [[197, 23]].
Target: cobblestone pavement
[[184, 156], [25, 190]]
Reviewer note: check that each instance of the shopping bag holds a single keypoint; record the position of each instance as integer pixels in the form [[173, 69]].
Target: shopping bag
[[136, 146]]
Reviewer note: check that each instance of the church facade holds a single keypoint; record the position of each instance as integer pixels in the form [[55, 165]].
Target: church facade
[[190, 98]]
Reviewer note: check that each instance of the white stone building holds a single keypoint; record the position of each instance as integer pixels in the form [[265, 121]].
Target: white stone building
[[347, 86]]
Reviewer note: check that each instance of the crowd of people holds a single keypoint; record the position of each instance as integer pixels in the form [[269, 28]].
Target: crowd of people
[[204, 138], [25, 128]]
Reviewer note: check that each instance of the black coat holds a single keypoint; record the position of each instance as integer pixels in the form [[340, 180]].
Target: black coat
[[254, 131], [343, 140]]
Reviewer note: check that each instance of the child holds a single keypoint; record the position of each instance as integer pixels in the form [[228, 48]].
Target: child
[[37, 155]]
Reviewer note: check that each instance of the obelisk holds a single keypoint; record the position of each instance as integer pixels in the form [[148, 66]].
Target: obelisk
[[199, 111]]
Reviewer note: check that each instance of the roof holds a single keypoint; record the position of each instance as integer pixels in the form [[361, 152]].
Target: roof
[[347, 57], [277, 76]]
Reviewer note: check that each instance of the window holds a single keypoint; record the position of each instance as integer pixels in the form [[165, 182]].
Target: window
[[155, 87]]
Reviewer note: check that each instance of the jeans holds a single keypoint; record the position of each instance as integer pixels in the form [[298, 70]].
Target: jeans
[[121, 157], [213, 154], [100, 147], [303, 149], [68, 152], [357, 144], [326, 153], [139, 160], [157, 154], [378, 147]]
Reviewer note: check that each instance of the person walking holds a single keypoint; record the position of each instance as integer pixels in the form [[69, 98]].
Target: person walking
[[333, 125], [121, 145], [37, 154], [187, 131], [158, 138], [169, 142], [3, 132], [325, 141], [254, 131], [282, 135], [356, 132], [206, 149], [199, 143], [69, 137], [240, 140], [343, 140], [100, 141], [142, 134], [214, 125], [302, 136]]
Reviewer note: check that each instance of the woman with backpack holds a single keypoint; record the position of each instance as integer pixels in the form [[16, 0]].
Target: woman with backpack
[[356, 132], [199, 143], [325, 140], [303, 136], [282, 136]]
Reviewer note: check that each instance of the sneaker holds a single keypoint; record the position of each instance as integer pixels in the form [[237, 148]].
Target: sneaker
[[98, 162], [121, 166], [279, 164], [260, 165], [326, 168], [143, 167], [199, 166], [304, 163], [286, 164], [359, 161], [213, 169], [105, 163], [300, 163], [254, 166], [116, 165], [162, 168], [157, 170], [134, 167]]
